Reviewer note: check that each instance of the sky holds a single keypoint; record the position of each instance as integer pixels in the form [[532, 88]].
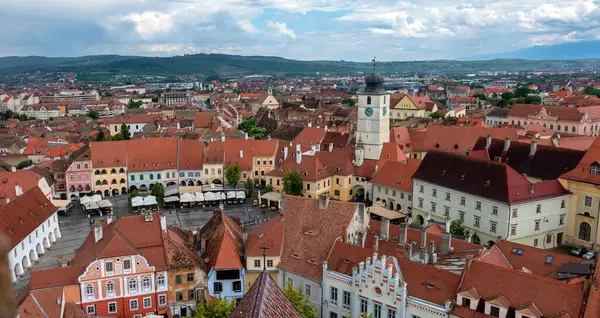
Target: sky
[[355, 30]]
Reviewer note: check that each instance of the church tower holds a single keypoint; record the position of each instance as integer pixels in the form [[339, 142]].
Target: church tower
[[373, 126]]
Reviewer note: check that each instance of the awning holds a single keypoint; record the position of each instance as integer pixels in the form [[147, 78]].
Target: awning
[[105, 204], [271, 196], [84, 200], [91, 206], [230, 194], [150, 200], [95, 198], [137, 201], [198, 197], [240, 195], [186, 197], [61, 203], [171, 190], [171, 199], [379, 209], [209, 196]]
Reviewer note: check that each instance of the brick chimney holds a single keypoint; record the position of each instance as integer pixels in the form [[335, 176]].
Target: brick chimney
[[446, 238], [488, 141], [404, 231], [375, 243], [384, 231], [424, 256], [408, 252], [323, 201]]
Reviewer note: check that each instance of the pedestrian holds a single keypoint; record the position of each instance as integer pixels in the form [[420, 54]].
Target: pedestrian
[[91, 222]]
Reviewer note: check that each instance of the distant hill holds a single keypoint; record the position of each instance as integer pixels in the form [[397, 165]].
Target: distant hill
[[100, 67], [563, 51]]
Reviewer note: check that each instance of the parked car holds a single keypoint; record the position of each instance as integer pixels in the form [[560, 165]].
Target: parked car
[[579, 251], [590, 255]]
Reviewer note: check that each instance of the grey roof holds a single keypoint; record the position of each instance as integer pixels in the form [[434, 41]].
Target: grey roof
[[498, 112]]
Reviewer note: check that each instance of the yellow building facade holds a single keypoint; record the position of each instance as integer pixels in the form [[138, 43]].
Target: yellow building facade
[[406, 108]]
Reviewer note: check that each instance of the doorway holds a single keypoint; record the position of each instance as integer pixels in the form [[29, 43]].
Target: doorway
[[559, 238]]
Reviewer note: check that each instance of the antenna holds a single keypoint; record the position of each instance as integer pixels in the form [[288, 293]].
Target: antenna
[[264, 248]]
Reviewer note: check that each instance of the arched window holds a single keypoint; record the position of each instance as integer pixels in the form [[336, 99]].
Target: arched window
[[98, 182], [104, 182], [114, 181], [544, 125], [585, 231], [368, 100], [122, 180], [133, 286], [558, 127], [121, 170], [551, 126], [113, 170], [103, 171], [573, 129], [97, 172], [146, 284]]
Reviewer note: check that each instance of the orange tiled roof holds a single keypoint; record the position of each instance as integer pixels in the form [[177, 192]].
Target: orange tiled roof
[[269, 234], [397, 175], [583, 170]]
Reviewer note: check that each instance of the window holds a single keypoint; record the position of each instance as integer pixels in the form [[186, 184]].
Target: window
[[514, 213], [90, 309], [447, 196], [421, 189], [434, 193], [376, 310], [478, 205], [538, 208], [336, 192], [333, 314], [466, 302], [146, 283], [476, 221], [177, 279], [446, 210], [494, 311], [112, 308], [333, 294], [420, 202], [110, 289], [363, 306], [133, 304], [462, 201], [549, 259], [562, 204], [307, 289], [190, 277], [162, 300], [109, 268], [151, 177], [493, 227], [179, 295], [191, 294], [561, 220], [494, 210], [433, 204], [161, 281], [368, 100], [588, 201], [391, 313], [256, 263], [269, 263], [346, 298], [461, 214], [595, 169], [549, 239], [535, 242], [141, 177], [89, 292], [308, 186], [513, 229], [132, 286], [147, 302], [537, 225], [218, 287], [290, 281], [237, 286], [127, 264]]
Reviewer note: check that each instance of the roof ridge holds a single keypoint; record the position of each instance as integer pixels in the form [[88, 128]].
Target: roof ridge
[[261, 291], [38, 304], [520, 272]]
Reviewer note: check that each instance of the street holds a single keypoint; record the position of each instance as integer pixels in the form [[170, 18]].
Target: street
[[75, 227]]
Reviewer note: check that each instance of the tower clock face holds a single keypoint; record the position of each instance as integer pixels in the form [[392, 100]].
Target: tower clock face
[[369, 111]]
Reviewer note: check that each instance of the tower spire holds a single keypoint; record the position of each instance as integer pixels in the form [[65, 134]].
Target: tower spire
[[374, 64]]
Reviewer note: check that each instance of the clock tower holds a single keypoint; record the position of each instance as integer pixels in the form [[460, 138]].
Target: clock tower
[[373, 126]]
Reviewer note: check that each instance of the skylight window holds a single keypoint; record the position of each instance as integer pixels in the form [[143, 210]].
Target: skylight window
[[549, 259]]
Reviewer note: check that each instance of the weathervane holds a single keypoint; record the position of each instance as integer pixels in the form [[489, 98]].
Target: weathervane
[[374, 64], [264, 248]]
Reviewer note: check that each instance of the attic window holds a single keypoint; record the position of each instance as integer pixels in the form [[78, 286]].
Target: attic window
[[437, 145], [455, 146], [443, 172], [430, 286], [462, 177], [549, 259], [306, 173], [517, 251], [595, 168], [337, 168], [346, 260], [387, 155], [487, 184]]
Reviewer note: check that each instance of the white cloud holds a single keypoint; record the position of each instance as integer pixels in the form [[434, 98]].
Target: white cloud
[[150, 24], [280, 28]]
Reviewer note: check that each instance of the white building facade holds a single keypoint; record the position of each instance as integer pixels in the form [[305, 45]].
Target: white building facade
[[373, 124]]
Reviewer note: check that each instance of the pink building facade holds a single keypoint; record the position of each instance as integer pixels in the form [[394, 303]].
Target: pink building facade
[[79, 176], [583, 121]]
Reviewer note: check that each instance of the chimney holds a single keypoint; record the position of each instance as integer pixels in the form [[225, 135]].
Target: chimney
[[469, 237], [330, 146], [313, 149], [97, 232], [446, 238], [423, 238], [323, 201], [18, 190], [202, 244], [285, 152], [108, 220], [376, 168], [163, 223], [506, 144], [375, 243], [384, 231], [241, 153], [404, 231], [309, 124], [432, 254], [298, 154], [408, 252], [13, 169], [533, 148], [178, 125], [246, 136], [223, 138], [269, 137], [424, 256], [488, 141]]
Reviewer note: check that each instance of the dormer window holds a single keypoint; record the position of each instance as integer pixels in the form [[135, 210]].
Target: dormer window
[[595, 168]]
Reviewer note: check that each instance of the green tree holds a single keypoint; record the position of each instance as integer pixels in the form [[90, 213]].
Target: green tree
[[116, 137], [457, 228], [24, 164], [350, 102], [292, 183], [3, 126], [125, 132], [93, 114], [249, 126], [134, 104], [299, 301], [250, 186], [9, 114], [23, 117], [436, 116], [158, 190], [233, 175], [523, 91], [134, 193], [100, 136], [480, 96], [590, 90], [533, 99], [508, 95], [215, 308]]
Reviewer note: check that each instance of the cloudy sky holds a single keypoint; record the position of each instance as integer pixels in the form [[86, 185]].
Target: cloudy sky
[[301, 29]]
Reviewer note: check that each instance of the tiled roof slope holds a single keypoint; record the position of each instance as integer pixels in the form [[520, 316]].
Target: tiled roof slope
[[265, 299], [583, 170], [269, 234], [224, 242]]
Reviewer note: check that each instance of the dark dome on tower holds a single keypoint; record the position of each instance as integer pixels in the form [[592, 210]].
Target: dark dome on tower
[[374, 84], [373, 79]]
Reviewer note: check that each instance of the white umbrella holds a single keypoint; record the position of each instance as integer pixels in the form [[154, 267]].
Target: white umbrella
[[150, 200], [186, 197], [105, 203], [171, 199], [199, 197], [230, 194], [84, 200], [95, 198], [240, 195], [209, 196], [137, 201], [91, 206]]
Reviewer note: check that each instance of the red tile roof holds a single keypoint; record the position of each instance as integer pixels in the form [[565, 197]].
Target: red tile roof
[[191, 155], [397, 175], [459, 139], [308, 137], [131, 119], [42, 303], [151, 154], [310, 168], [55, 277], [520, 288], [344, 257], [224, 242], [265, 299], [592, 309], [204, 119], [428, 282], [563, 113], [269, 234], [310, 232], [106, 154], [583, 170], [23, 215], [26, 179]]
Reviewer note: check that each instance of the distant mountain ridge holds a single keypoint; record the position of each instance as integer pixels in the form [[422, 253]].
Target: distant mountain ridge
[[563, 51], [102, 67]]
